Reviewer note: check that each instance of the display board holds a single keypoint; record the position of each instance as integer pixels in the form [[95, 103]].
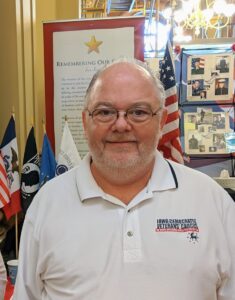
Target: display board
[[207, 77], [73, 52], [206, 101], [205, 127]]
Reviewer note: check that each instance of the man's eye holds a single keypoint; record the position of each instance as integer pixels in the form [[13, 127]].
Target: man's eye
[[138, 112], [104, 112]]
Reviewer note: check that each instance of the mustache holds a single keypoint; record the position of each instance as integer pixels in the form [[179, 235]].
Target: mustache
[[120, 138]]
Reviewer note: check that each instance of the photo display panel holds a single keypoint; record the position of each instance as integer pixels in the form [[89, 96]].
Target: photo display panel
[[208, 77], [207, 129]]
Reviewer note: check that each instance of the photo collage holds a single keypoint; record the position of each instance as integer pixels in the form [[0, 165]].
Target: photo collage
[[205, 131], [210, 77]]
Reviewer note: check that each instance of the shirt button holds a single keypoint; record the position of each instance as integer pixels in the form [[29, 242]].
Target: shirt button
[[130, 233]]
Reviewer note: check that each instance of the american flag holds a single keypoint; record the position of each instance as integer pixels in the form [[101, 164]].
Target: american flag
[[169, 144], [4, 189], [202, 63]]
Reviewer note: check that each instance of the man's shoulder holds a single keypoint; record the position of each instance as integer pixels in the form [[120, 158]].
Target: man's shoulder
[[199, 183], [55, 189], [186, 173], [198, 71], [67, 178]]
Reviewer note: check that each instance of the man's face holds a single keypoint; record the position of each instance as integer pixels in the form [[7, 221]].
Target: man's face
[[197, 64], [122, 144], [196, 84], [221, 85]]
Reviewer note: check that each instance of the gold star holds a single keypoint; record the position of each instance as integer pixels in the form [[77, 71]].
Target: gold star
[[93, 45]]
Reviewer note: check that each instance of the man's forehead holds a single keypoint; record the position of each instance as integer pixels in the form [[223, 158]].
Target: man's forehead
[[125, 67], [124, 80]]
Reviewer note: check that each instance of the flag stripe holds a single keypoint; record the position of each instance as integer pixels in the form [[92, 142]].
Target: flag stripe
[[4, 189], [13, 207], [173, 117], [3, 178], [3, 201], [170, 135], [173, 153], [171, 100]]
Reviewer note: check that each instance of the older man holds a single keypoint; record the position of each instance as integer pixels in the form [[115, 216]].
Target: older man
[[126, 224]]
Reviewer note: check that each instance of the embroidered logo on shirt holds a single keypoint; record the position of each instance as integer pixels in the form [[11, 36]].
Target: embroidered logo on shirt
[[193, 237], [177, 225]]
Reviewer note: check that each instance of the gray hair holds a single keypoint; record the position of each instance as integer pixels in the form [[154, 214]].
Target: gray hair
[[156, 81]]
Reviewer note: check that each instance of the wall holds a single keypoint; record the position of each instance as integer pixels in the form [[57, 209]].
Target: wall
[[22, 62], [8, 64]]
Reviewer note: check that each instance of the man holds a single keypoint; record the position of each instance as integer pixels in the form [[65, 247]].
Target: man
[[221, 88], [223, 66], [196, 88], [196, 67], [193, 143], [203, 95], [126, 224], [219, 122]]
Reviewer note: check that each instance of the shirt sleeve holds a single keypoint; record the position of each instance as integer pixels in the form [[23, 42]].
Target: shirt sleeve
[[3, 278], [227, 289], [28, 283]]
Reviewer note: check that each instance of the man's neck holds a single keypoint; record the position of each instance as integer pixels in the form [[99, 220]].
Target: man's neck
[[123, 186]]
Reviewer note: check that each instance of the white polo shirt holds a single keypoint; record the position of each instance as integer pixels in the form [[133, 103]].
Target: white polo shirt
[[173, 241]]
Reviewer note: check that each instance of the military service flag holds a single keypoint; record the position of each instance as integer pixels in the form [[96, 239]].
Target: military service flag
[[68, 156], [30, 172]]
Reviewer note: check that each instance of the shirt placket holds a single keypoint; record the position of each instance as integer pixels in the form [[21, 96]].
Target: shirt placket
[[131, 237]]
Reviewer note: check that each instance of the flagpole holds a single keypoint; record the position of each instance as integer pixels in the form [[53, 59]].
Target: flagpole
[[157, 28], [43, 126], [16, 215]]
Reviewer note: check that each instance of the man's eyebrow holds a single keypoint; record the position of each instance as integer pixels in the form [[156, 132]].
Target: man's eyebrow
[[108, 104], [105, 104]]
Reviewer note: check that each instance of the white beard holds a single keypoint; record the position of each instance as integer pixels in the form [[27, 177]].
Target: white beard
[[120, 167]]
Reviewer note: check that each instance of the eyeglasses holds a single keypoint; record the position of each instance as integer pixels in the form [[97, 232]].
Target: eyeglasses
[[134, 114]]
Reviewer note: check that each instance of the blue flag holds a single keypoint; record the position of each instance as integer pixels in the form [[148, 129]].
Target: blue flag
[[48, 162]]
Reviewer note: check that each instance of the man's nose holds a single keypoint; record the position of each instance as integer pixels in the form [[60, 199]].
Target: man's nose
[[121, 124]]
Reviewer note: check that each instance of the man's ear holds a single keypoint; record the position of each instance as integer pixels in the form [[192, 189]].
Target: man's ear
[[163, 117], [84, 122]]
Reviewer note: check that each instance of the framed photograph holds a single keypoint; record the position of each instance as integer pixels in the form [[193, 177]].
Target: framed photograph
[[222, 64], [197, 66], [205, 128]]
